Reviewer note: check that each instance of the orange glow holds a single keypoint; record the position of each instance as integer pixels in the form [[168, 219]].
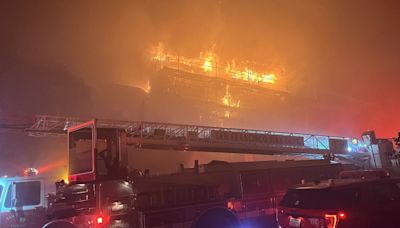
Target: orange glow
[[208, 63], [51, 166], [227, 99], [158, 52], [227, 114], [147, 88], [230, 205], [250, 75]]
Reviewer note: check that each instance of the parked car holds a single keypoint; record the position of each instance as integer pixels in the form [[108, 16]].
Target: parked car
[[340, 203]]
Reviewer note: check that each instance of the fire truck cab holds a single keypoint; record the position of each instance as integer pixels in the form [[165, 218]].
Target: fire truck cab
[[98, 193], [23, 201]]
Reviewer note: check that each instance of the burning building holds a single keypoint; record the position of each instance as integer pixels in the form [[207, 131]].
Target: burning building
[[213, 93]]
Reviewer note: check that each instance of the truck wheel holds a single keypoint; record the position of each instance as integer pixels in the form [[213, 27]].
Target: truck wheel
[[59, 224], [216, 218]]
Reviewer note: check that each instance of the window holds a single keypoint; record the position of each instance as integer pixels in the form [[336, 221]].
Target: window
[[27, 193], [80, 151], [107, 155], [7, 202]]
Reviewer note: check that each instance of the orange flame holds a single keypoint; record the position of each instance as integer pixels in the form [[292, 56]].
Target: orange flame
[[250, 75], [228, 101], [208, 63]]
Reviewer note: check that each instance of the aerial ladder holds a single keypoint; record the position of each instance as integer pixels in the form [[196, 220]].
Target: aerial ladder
[[181, 137]]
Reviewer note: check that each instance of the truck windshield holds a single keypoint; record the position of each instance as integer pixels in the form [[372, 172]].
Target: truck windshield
[[1, 192], [320, 198], [80, 151]]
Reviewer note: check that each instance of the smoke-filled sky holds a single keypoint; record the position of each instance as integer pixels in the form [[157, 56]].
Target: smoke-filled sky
[[342, 57]]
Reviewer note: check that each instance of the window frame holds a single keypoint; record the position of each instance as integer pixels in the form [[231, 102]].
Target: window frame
[[11, 190]]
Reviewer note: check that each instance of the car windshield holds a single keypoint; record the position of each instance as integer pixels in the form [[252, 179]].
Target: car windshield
[[320, 198]]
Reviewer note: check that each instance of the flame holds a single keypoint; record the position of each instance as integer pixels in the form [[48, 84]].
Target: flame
[[227, 99], [208, 63], [147, 88], [158, 53], [250, 75], [227, 114]]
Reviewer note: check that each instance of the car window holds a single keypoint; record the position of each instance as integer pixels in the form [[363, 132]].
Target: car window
[[27, 193], [321, 198]]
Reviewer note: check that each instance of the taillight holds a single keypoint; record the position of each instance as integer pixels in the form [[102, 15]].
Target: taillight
[[230, 205], [234, 205], [342, 215], [332, 220]]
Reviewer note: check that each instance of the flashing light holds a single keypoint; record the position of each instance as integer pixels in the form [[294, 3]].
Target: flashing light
[[342, 215], [100, 220], [31, 172], [354, 141], [349, 149]]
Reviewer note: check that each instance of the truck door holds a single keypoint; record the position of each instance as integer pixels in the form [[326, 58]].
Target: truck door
[[81, 152], [24, 204]]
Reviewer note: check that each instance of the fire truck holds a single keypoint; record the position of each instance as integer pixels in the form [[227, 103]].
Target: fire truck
[[103, 191]]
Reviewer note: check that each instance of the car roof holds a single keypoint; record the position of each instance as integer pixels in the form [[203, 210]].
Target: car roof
[[339, 183]]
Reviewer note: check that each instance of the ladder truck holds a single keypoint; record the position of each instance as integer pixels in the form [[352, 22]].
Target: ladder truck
[[103, 191]]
